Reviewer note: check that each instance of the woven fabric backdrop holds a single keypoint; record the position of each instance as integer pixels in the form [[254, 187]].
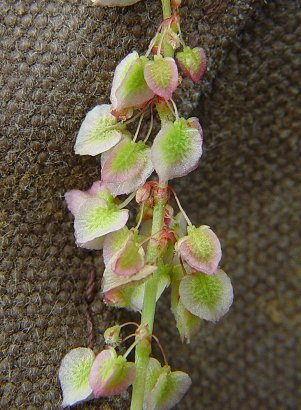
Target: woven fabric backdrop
[[57, 62]]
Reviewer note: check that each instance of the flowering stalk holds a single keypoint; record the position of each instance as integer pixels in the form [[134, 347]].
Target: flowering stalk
[[149, 304], [162, 249]]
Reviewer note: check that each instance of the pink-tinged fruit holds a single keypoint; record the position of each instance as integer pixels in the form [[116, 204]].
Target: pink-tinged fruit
[[129, 89], [161, 76], [127, 166], [201, 249], [207, 296], [113, 242], [74, 376], [111, 280], [98, 132], [132, 184], [192, 63], [169, 389], [131, 296], [95, 218], [187, 323], [111, 374], [176, 150], [78, 200], [130, 259]]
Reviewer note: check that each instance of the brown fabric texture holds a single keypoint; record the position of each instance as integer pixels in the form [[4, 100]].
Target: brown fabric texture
[[58, 59]]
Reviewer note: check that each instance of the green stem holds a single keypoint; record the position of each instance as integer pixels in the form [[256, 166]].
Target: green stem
[[166, 9], [143, 348]]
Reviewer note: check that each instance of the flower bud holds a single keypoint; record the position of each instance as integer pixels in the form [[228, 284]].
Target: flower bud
[[111, 335]]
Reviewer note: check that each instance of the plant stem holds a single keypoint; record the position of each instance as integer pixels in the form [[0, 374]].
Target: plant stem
[[143, 348], [166, 9]]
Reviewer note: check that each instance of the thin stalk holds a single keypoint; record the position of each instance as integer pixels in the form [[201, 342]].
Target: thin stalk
[[127, 200], [138, 127], [161, 349], [175, 108], [181, 209], [150, 127]]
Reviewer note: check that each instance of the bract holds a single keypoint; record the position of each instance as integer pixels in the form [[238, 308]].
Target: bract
[[111, 374], [98, 132], [201, 249], [176, 149], [208, 297], [74, 376]]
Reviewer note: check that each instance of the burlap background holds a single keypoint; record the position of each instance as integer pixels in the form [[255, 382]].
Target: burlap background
[[57, 62]]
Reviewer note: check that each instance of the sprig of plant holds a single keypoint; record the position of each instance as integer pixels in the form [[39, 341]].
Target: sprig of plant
[[163, 248]]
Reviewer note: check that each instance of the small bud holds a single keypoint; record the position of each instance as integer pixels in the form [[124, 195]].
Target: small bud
[[111, 335], [176, 3], [168, 214], [192, 63], [143, 193]]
